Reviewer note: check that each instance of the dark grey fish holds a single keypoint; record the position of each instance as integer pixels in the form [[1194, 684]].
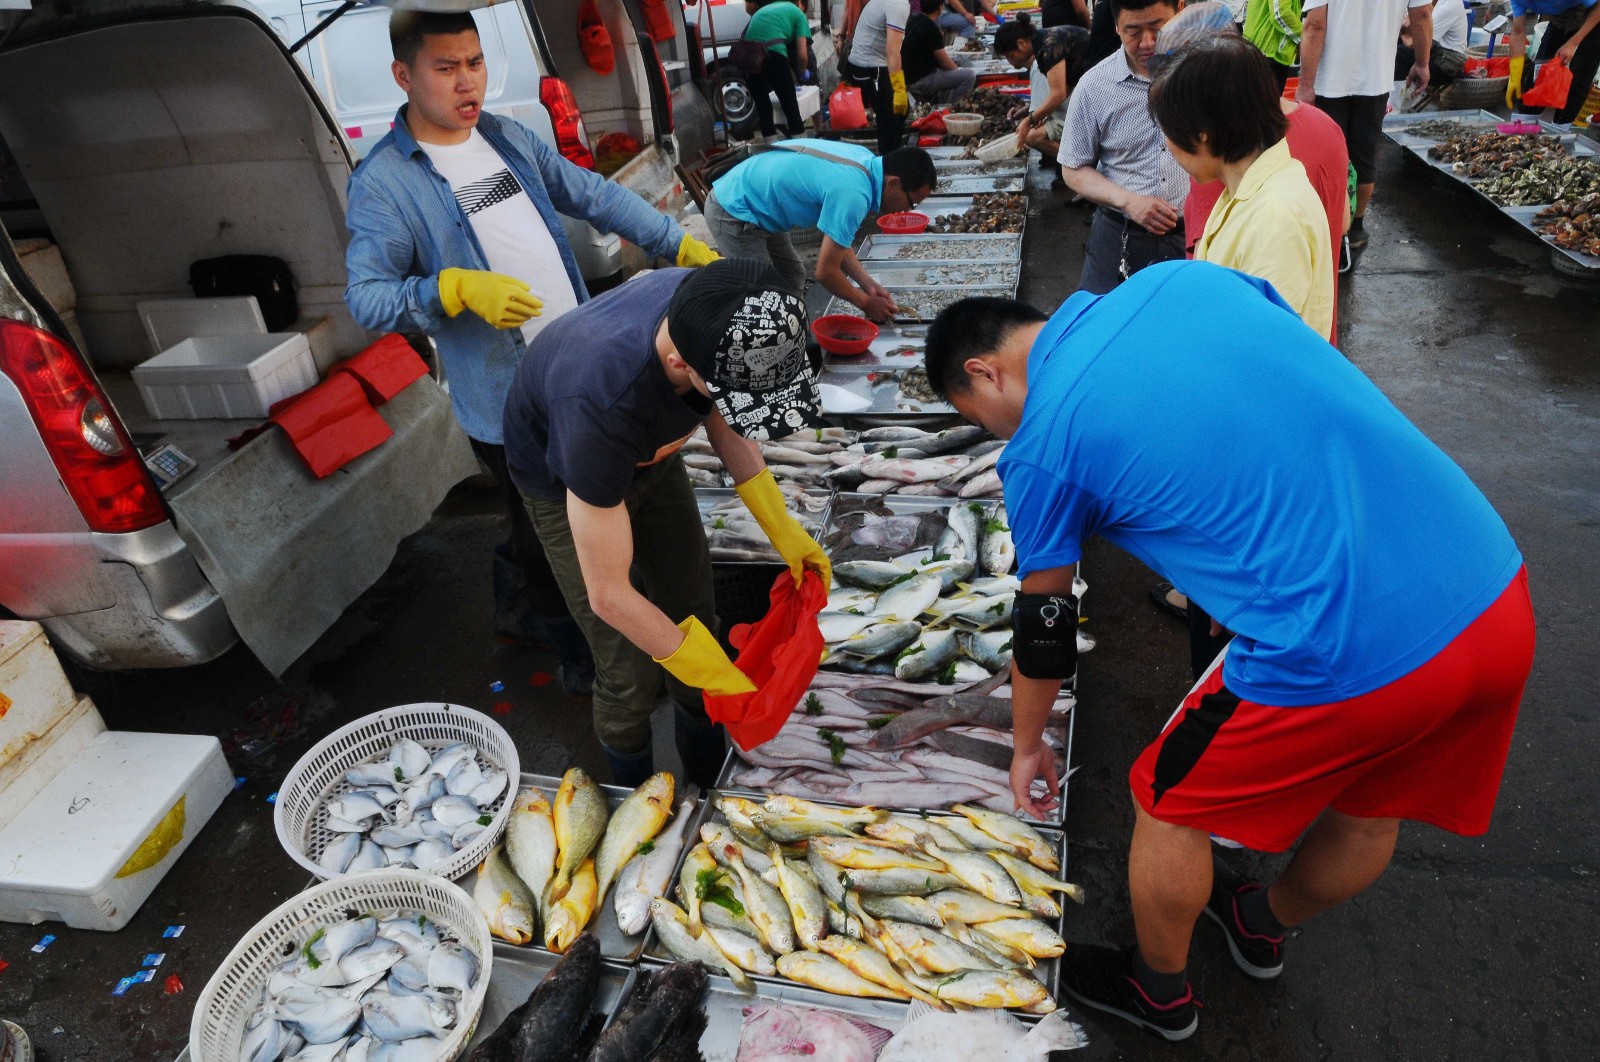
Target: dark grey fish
[[910, 727], [683, 1042], [501, 1046], [951, 439], [877, 697], [638, 1033], [989, 753], [560, 1007], [854, 666]]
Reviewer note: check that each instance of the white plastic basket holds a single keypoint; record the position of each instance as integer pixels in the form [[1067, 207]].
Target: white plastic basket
[[234, 992], [963, 123], [301, 810], [997, 150]]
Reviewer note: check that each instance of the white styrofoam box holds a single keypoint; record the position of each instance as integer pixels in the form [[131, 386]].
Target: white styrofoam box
[[25, 774], [222, 377], [43, 263], [34, 691], [168, 322], [102, 834]]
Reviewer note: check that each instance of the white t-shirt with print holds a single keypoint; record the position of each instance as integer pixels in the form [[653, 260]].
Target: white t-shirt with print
[[509, 227], [1358, 52]]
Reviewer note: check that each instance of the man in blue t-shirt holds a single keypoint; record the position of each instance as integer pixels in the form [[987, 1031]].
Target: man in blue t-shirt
[[829, 187], [593, 422], [1570, 35], [1382, 627]]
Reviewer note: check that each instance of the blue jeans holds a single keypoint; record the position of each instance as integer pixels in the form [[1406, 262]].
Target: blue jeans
[[949, 20]]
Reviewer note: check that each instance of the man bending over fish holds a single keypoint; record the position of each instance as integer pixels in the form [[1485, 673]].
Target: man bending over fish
[[593, 423], [1383, 627]]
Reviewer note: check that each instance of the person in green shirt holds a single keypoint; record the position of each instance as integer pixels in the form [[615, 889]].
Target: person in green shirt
[[1273, 26], [778, 22]]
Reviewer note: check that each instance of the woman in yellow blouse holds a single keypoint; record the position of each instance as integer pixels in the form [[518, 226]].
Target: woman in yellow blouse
[[1216, 101]]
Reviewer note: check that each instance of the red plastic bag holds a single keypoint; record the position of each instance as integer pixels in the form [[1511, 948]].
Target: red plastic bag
[[779, 653], [595, 39], [932, 124], [657, 22], [846, 110], [1499, 66], [1552, 86]]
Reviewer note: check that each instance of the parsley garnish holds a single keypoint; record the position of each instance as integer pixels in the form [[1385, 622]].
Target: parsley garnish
[[399, 775], [310, 956], [813, 704], [878, 722], [708, 888], [484, 820], [947, 677], [645, 849], [835, 743]]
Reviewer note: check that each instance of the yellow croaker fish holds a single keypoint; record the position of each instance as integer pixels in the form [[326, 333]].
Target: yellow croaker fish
[[1027, 935], [531, 844], [828, 974], [981, 873], [959, 905], [637, 820], [718, 835], [572, 912], [503, 899], [696, 861], [908, 833], [973, 838], [1032, 880], [1000, 955], [866, 855], [807, 908], [765, 906], [934, 952], [742, 950], [579, 813], [995, 988], [1024, 839], [867, 962], [740, 814], [786, 819], [672, 926]]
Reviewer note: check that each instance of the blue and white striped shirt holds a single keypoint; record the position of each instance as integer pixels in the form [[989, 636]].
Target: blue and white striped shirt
[[1109, 127]]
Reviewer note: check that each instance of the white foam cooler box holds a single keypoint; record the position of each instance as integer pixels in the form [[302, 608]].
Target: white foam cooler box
[[24, 775], [95, 842], [34, 691], [225, 377]]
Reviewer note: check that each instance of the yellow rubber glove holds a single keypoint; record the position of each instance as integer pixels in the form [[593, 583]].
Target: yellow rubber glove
[[701, 663], [902, 102], [691, 252], [501, 300], [762, 497], [1514, 83]]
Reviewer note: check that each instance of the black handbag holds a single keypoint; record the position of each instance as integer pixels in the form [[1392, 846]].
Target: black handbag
[[261, 275]]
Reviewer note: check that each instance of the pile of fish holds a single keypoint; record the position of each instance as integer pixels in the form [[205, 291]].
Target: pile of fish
[[662, 1020], [929, 1035], [409, 808], [859, 902], [853, 742], [559, 860], [733, 534], [894, 459], [367, 989], [775, 1031]]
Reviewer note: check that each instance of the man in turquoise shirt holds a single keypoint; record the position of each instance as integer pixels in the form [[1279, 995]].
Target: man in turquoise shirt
[[830, 187], [1570, 37]]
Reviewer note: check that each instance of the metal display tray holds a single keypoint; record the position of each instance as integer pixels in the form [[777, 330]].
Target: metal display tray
[[880, 246], [518, 971], [614, 943], [961, 185], [706, 498], [725, 1004], [909, 311], [1524, 216], [898, 274], [844, 388], [950, 169], [1048, 970], [896, 347]]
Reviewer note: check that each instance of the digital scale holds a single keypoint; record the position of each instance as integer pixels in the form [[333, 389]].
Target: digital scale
[[168, 464]]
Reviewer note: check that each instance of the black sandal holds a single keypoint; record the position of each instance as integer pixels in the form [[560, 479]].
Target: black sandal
[[1158, 594]]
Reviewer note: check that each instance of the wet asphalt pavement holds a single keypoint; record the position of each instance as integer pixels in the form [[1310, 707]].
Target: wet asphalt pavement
[[1465, 948]]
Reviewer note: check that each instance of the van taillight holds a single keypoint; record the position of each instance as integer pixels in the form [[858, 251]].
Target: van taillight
[[571, 138], [96, 459]]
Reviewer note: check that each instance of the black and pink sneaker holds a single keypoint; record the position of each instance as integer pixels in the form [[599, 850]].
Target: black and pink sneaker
[[1259, 955], [1102, 978]]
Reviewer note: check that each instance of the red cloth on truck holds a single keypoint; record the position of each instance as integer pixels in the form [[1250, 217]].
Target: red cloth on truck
[[332, 424], [384, 369], [779, 653]]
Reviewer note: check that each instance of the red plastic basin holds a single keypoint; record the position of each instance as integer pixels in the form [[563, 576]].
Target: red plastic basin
[[840, 333]]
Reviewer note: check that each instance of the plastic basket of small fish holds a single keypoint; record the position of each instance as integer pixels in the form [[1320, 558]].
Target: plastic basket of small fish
[[787, 890], [419, 785], [556, 1000], [923, 303], [381, 964], [736, 538], [583, 857], [966, 247]]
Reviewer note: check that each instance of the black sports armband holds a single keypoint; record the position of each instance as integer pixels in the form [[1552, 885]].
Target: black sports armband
[[1044, 635]]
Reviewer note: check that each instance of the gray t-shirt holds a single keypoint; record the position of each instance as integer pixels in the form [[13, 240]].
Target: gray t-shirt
[[869, 46]]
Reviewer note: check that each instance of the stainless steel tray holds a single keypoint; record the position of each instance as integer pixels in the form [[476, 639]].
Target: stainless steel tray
[[959, 247], [518, 971], [1017, 182], [852, 392], [1524, 216], [895, 274], [725, 1006], [896, 347], [1048, 970], [950, 169], [922, 302], [614, 943]]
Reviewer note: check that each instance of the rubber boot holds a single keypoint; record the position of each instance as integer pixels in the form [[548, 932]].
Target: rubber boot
[[572, 650], [702, 746], [631, 769], [514, 621]]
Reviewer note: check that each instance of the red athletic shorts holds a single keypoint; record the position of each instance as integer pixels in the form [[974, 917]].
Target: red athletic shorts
[[1430, 746]]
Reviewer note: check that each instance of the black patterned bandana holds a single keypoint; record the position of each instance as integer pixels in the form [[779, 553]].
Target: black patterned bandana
[[744, 332]]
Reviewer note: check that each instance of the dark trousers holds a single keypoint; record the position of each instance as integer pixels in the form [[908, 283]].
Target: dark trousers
[[1203, 645], [1444, 65], [544, 593], [1585, 62], [1115, 239], [1103, 39], [873, 81], [776, 77], [1284, 73]]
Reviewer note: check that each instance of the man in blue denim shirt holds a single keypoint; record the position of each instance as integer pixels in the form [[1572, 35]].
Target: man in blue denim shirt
[[456, 210]]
